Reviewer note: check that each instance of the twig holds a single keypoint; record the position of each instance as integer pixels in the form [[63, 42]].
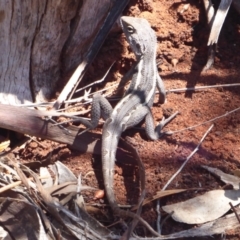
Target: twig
[[114, 85], [159, 230], [200, 124], [79, 99], [105, 205], [87, 93], [54, 122], [114, 223], [179, 170], [166, 218], [188, 158], [75, 120], [96, 82], [90, 94], [202, 87], [10, 186], [135, 221], [17, 183], [113, 14], [234, 210], [35, 104], [168, 91]]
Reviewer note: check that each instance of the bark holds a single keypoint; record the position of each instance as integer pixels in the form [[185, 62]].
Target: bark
[[42, 41], [32, 122]]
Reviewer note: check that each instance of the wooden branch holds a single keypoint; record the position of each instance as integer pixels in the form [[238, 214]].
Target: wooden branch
[[31, 122]]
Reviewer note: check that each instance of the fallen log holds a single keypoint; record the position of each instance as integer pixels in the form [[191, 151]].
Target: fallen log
[[32, 122]]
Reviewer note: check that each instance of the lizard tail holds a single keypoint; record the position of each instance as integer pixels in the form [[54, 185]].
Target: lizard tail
[[109, 148]]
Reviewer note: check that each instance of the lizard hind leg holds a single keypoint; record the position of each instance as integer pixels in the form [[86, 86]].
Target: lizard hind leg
[[100, 108], [154, 133], [136, 117]]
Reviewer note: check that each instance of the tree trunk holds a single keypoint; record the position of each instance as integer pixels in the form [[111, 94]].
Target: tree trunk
[[41, 42]]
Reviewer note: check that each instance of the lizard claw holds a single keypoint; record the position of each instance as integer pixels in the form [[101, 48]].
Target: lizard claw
[[165, 121], [85, 130], [86, 94]]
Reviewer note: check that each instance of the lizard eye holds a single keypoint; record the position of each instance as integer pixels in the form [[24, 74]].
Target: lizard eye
[[130, 29]]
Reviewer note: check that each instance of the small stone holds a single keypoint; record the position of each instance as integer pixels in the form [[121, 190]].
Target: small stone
[[33, 145], [174, 62], [99, 194]]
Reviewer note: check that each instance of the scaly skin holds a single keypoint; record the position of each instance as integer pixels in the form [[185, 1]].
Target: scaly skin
[[136, 104]]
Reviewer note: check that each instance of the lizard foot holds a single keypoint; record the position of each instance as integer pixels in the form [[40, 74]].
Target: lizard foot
[[164, 121]]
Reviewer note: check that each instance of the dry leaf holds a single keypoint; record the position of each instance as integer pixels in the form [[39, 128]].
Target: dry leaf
[[4, 145], [204, 208], [227, 178], [22, 220], [219, 226], [162, 194], [47, 181], [64, 174]]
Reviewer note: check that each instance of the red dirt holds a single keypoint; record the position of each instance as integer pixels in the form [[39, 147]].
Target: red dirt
[[182, 37]]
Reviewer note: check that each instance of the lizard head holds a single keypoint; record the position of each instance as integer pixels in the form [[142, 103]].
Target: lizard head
[[140, 36]]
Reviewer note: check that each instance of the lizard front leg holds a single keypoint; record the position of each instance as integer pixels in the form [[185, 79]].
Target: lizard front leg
[[100, 108], [161, 89]]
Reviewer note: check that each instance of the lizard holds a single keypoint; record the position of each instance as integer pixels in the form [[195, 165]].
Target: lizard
[[134, 106]]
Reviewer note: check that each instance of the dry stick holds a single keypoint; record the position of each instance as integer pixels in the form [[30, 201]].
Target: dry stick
[[135, 220], [17, 183], [96, 82], [158, 217], [87, 93], [180, 169], [114, 85], [130, 148], [86, 102], [168, 91], [235, 212], [31, 122], [90, 94], [41, 104], [115, 11], [200, 124], [10, 186], [68, 101], [188, 158], [202, 87]]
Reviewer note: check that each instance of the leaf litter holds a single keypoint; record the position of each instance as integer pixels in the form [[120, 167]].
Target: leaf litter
[[25, 209]]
